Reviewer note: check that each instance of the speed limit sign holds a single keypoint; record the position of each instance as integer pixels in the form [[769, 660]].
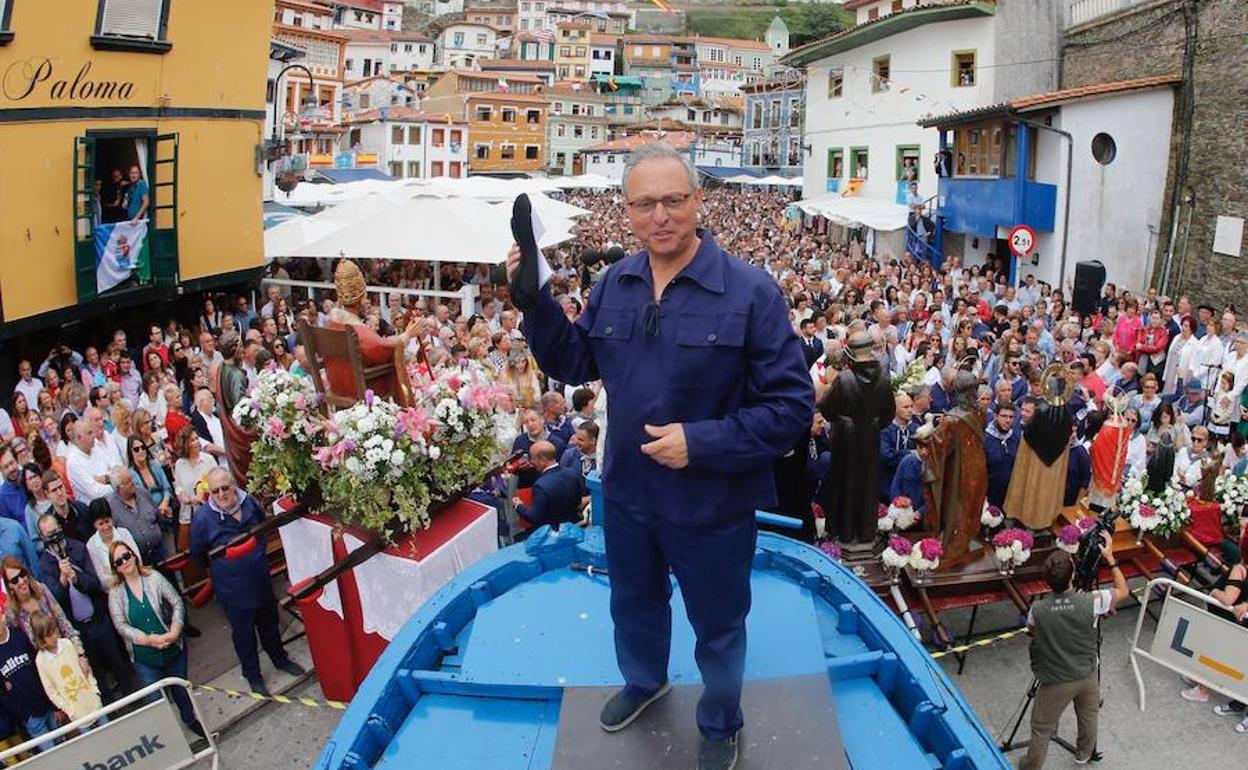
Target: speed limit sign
[[1022, 241]]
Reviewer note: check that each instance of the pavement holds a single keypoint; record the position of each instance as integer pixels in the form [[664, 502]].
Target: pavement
[[1171, 733]]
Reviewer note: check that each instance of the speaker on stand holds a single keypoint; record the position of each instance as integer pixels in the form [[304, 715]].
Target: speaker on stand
[[1089, 280]]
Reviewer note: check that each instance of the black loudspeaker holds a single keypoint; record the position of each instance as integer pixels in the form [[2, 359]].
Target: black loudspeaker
[[1089, 278]]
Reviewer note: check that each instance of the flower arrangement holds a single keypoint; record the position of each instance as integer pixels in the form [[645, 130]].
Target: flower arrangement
[[1165, 513], [1012, 547], [1231, 492], [460, 427], [280, 409], [896, 555], [909, 377], [372, 466], [830, 548], [992, 516], [1068, 538], [883, 521], [901, 511], [925, 554]]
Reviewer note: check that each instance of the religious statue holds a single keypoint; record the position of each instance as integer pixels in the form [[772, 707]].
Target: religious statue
[[857, 403], [956, 476], [374, 349], [1038, 482], [1108, 455]]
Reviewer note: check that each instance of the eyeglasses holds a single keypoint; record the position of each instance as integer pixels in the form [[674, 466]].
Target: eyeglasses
[[1201, 439], [14, 579], [122, 559], [221, 490], [673, 202], [139, 448]]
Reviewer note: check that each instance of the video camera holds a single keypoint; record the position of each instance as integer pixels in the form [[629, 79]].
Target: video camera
[[1088, 557]]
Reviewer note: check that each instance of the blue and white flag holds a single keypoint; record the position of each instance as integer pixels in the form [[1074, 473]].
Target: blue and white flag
[[120, 252]]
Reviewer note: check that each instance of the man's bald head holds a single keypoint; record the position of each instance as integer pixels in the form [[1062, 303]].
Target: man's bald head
[[542, 454]]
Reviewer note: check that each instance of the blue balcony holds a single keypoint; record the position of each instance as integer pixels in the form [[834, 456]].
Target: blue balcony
[[980, 206], [833, 185]]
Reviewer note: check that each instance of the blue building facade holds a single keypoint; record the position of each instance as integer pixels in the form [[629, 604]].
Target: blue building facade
[[771, 137]]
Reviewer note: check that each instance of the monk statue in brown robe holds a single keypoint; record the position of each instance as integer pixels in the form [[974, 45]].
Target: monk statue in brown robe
[[374, 349], [956, 472], [857, 404]]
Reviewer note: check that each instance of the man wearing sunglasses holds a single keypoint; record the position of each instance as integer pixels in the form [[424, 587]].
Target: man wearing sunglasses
[[241, 582]]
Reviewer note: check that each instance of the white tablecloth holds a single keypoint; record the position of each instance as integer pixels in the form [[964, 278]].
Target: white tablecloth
[[309, 551]]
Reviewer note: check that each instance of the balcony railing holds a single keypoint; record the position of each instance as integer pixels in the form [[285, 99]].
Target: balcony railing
[[1083, 11]]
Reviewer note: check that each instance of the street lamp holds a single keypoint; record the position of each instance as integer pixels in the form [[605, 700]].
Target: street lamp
[[308, 107]]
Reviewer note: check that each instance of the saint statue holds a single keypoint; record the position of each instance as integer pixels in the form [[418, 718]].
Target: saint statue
[[858, 402], [956, 475], [374, 349], [1038, 481]]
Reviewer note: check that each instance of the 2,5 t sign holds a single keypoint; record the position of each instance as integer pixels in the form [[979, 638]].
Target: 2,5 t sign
[[1022, 241]]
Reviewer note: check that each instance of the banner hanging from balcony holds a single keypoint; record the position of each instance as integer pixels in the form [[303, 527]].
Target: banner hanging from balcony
[[121, 252]]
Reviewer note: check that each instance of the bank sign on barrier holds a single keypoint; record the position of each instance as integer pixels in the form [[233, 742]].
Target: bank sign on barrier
[[148, 739], [1194, 642]]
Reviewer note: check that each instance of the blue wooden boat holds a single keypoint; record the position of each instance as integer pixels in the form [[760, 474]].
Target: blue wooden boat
[[490, 673]]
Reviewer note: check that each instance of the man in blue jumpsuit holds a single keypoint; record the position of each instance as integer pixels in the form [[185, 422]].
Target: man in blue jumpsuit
[[707, 386]]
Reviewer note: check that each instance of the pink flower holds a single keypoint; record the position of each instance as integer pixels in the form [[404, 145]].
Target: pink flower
[[301, 403], [1086, 523], [1147, 511], [899, 544], [415, 422], [831, 549], [480, 397], [931, 548], [277, 429], [901, 501], [369, 396], [1070, 534], [1007, 537], [882, 511], [454, 382]]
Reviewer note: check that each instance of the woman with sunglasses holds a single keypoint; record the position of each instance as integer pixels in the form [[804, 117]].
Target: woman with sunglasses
[[150, 479], [28, 596], [148, 613]]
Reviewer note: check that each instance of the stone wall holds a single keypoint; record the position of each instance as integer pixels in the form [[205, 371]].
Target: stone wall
[[1150, 40]]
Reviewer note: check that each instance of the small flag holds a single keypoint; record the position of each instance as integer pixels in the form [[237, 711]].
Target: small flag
[[663, 5], [502, 84], [612, 84], [121, 251], [576, 86]]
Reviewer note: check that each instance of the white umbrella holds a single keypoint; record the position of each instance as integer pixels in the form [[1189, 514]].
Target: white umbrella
[[783, 181], [307, 194], [427, 228], [586, 182]]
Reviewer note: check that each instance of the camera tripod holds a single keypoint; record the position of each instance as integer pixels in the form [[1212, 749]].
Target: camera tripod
[[1009, 744]]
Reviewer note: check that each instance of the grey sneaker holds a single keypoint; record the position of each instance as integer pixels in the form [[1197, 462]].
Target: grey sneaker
[[621, 711], [718, 754]]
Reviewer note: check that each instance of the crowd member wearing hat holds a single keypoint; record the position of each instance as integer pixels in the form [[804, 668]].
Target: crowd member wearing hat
[[240, 581]]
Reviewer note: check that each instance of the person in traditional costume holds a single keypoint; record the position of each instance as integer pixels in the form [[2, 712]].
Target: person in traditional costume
[[1038, 482], [956, 475], [1108, 454], [856, 404], [374, 349]]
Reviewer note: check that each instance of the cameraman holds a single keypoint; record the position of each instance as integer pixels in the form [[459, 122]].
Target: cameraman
[[1064, 653]]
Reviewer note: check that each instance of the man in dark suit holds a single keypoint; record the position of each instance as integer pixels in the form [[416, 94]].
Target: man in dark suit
[[556, 492], [812, 346]]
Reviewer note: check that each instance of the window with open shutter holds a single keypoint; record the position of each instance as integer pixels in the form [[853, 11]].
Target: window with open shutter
[[84, 220], [6, 13], [164, 154], [138, 25]]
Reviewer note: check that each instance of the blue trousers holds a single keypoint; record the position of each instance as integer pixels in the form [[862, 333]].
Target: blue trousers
[[245, 625], [40, 724], [712, 563], [177, 667]]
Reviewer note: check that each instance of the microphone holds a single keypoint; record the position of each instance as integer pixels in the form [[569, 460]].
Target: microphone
[[613, 255]]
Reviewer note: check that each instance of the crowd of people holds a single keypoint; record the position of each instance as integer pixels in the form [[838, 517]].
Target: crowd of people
[[109, 452]]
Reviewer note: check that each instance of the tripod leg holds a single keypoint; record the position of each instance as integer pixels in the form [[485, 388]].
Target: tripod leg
[[1009, 745]]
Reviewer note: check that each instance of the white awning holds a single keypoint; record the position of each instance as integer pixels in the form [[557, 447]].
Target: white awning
[[585, 182], [854, 211], [782, 181]]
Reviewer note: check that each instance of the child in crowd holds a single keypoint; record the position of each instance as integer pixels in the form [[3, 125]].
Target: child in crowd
[[74, 693], [23, 701]]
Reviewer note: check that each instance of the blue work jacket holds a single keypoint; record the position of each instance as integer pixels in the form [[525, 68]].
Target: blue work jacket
[[243, 582], [716, 353]]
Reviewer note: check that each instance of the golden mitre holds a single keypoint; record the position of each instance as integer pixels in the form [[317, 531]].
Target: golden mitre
[[349, 280]]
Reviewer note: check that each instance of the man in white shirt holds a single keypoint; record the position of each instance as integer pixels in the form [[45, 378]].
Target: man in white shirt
[[87, 464], [28, 385], [1189, 461], [208, 426], [93, 416], [130, 380]]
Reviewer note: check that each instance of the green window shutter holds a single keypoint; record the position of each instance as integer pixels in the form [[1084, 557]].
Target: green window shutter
[[84, 239], [164, 219]]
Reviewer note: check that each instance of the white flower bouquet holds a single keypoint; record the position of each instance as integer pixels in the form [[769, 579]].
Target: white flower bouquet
[[1012, 547], [280, 408], [1165, 513], [1231, 492]]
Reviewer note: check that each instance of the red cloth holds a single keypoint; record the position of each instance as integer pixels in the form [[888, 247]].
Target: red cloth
[[373, 352], [1206, 524], [1109, 457]]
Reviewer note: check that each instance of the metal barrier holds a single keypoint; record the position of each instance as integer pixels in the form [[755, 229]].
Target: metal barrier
[[149, 738], [1192, 642], [466, 296]]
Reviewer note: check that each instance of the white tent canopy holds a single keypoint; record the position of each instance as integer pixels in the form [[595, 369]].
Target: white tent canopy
[[853, 211], [781, 181], [586, 182], [407, 226]]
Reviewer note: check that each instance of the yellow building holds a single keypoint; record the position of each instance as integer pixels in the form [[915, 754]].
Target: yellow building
[[174, 89], [572, 59], [506, 117]]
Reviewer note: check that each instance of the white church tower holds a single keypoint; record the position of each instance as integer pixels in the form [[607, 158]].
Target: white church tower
[[778, 37]]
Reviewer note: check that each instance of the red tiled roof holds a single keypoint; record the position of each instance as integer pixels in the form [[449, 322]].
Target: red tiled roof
[[365, 35], [1098, 89], [679, 140], [402, 113]]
